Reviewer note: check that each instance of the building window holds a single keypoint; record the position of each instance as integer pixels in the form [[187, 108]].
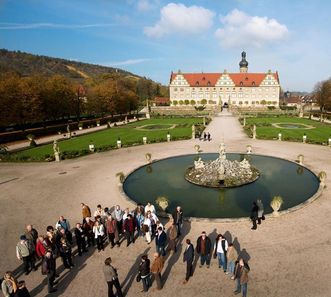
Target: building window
[[175, 89], [233, 102], [182, 89]]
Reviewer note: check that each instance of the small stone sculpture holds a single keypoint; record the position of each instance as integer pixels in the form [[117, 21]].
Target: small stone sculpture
[[199, 164], [56, 151]]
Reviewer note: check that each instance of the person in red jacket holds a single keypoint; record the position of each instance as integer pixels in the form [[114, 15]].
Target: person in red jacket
[[40, 247], [129, 227]]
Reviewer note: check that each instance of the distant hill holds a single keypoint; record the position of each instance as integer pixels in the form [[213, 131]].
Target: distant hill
[[28, 64]]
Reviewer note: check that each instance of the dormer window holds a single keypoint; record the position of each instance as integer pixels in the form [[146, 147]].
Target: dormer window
[[246, 78], [241, 83], [203, 78], [208, 83], [253, 83], [197, 83]]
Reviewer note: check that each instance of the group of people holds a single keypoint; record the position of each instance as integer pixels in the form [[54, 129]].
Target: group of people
[[225, 252], [118, 225]]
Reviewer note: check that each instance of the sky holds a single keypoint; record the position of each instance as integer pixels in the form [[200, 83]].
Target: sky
[[154, 37]]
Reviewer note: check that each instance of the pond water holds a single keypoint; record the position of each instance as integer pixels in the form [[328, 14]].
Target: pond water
[[166, 178]]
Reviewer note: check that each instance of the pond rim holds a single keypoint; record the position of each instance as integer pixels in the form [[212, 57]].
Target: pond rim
[[299, 206]]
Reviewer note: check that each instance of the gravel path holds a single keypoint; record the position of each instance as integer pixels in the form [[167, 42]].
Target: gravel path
[[288, 256]]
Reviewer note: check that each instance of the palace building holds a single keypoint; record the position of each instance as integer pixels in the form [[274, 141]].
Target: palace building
[[242, 89]]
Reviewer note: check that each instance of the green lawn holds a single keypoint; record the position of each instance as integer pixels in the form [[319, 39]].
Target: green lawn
[[264, 129], [106, 139]]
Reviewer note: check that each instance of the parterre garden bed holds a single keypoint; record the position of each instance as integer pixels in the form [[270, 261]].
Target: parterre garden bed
[[179, 129], [318, 134]]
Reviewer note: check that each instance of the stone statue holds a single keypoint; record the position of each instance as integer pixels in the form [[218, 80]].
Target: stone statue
[[56, 151], [69, 131], [254, 131], [222, 152], [245, 164], [199, 164], [221, 173]]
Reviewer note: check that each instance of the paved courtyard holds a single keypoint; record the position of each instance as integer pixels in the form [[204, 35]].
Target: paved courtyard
[[288, 256]]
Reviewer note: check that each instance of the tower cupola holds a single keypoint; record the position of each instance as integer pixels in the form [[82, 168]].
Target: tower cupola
[[243, 64]]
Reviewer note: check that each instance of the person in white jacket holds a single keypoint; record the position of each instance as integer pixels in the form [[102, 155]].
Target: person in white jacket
[[99, 232]]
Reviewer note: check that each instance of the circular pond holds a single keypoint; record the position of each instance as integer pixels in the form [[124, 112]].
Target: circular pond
[[294, 183]]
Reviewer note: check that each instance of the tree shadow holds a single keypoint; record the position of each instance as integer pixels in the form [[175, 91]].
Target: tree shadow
[[175, 257], [130, 277]]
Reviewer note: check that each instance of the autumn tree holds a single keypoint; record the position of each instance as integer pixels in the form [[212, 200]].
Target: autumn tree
[[58, 97], [322, 93]]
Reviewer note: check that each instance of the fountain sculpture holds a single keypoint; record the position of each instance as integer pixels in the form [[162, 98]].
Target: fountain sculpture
[[221, 173]]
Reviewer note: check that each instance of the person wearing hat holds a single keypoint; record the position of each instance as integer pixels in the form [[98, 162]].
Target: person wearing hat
[[23, 252]]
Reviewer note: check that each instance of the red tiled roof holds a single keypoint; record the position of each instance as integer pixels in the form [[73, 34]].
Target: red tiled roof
[[202, 79], [210, 79], [247, 79], [161, 100], [296, 99]]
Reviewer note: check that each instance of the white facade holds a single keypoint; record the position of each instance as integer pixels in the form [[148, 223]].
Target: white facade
[[240, 89]]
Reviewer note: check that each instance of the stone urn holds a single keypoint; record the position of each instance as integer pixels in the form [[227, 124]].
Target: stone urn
[[197, 148], [275, 204], [163, 203], [148, 157], [119, 143], [322, 176], [249, 149], [121, 178], [144, 140], [168, 137], [304, 138], [280, 136], [300, 159]]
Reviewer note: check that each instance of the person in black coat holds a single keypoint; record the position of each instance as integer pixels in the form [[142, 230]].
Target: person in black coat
[[203, 249], [22, 291], [254, 215], [49, 268], [80, 239], [161, 241], [178, 219], [188, 258], [144, 271]]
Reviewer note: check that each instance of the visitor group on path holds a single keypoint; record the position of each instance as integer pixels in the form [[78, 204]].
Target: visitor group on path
[[117, 226]]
